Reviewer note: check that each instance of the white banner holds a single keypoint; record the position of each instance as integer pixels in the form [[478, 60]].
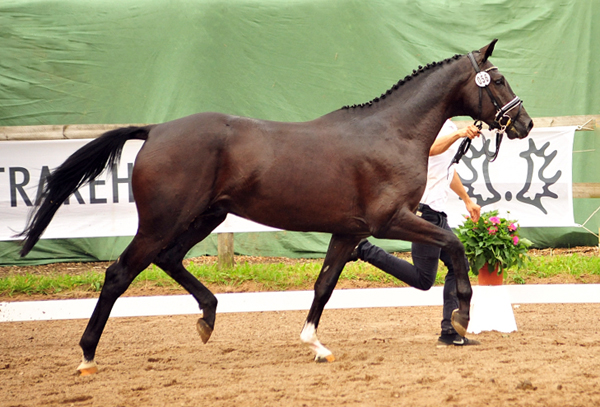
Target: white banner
[[530, 181], [102, 208]]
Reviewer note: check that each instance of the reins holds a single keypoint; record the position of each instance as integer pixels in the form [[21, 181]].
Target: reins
[[466, 144], [501, 119]]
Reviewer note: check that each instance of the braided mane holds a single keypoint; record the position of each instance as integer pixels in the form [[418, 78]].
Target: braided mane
[[401, 82]]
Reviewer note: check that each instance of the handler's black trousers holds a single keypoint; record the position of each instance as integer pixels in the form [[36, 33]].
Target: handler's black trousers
[[422, 274]]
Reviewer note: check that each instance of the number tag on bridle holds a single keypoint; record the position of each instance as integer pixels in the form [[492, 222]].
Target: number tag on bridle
[[482, 79]]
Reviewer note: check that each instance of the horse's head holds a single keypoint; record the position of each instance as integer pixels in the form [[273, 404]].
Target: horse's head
[[492, 99]]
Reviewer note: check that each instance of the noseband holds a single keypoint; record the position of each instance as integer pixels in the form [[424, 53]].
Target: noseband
[[501, 120]]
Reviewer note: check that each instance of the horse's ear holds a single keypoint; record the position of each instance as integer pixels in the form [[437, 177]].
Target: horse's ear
[[487, 50]]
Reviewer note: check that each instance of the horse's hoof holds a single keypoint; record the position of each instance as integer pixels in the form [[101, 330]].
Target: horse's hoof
[[87, 368], [204, 330], [325, 359], [459, 322]]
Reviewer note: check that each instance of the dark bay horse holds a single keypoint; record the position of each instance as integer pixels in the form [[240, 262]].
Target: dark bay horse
[[356, 172]]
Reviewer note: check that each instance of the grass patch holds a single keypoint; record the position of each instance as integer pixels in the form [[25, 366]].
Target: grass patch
[[283, 276], [574, 265], [50, 284]]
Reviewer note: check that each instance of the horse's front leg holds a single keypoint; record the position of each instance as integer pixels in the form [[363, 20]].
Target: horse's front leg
[[338, 253], [408, 226]]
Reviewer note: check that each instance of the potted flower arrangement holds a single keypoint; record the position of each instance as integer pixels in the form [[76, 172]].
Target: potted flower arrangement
[[493, 244]]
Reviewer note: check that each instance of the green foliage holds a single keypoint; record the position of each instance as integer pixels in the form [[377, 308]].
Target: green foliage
[[493, 241]]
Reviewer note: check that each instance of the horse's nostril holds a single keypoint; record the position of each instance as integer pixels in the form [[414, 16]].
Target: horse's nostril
[[530, 126]]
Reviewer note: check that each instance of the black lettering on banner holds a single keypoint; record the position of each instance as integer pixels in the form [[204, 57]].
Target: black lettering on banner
[[93, 199], [15, 187], [20, 177], [44, 174], [116, 181], [77, 196]]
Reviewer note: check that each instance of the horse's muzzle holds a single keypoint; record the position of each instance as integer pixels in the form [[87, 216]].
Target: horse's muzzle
[[520, 127]]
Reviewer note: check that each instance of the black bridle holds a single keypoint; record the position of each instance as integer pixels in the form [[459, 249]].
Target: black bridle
[[501, 120]]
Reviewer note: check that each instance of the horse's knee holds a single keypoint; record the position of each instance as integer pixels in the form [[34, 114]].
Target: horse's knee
[[323, 292], [116, 280], [326, 283], [455, 245], [455, 249]]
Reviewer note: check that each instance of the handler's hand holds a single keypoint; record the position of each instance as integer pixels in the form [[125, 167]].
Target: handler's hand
[[474, 210], [470, 131]]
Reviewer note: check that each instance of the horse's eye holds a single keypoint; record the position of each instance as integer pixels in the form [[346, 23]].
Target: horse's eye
[[499, 81]]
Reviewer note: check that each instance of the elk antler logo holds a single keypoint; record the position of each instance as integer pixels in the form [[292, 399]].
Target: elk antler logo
[[494, 195]]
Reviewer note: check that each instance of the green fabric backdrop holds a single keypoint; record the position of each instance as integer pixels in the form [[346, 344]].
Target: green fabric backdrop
[[148, 61]]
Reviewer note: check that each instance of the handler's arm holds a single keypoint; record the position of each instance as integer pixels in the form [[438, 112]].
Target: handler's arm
[[457, 186], [443, 143]]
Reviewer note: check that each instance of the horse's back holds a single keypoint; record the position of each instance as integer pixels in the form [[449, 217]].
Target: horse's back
[[314, 175]]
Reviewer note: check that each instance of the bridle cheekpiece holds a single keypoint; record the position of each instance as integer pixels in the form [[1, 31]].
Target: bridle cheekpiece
[[501, 120]]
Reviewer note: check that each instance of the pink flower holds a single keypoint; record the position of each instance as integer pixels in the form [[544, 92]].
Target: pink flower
[[515, 240], [512, 227], [492, 230], [495, 220]]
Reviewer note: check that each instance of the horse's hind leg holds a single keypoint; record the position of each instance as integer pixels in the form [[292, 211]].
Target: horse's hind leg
[[138, 255], [338, 253], [170, 260], [119, 275]]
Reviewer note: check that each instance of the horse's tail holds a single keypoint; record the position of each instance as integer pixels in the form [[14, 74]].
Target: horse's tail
[[80, 168]]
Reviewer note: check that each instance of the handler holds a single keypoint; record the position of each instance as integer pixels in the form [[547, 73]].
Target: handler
[[421, 275]]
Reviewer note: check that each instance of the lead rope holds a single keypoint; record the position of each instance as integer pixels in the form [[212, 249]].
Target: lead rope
[[466, 144]]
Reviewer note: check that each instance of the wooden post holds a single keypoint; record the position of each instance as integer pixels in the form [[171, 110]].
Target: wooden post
[[225, 250], [586, 190]]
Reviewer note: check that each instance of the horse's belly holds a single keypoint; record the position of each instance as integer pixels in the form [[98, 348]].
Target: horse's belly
[[303, 215]]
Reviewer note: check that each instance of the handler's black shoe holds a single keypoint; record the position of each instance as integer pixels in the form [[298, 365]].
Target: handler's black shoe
[[455, 340], [355, 255]]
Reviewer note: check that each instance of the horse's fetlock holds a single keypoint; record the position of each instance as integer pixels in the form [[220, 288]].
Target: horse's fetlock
[[212, 303], [88, 348]]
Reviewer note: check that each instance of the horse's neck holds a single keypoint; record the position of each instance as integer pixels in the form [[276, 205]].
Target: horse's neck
[[427, 102], [418, 109]]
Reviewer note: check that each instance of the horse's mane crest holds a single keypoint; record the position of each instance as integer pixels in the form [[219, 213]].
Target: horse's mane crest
[[401, 82]]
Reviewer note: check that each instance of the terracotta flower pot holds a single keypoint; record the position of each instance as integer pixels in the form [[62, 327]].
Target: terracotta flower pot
[[487, 278]]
